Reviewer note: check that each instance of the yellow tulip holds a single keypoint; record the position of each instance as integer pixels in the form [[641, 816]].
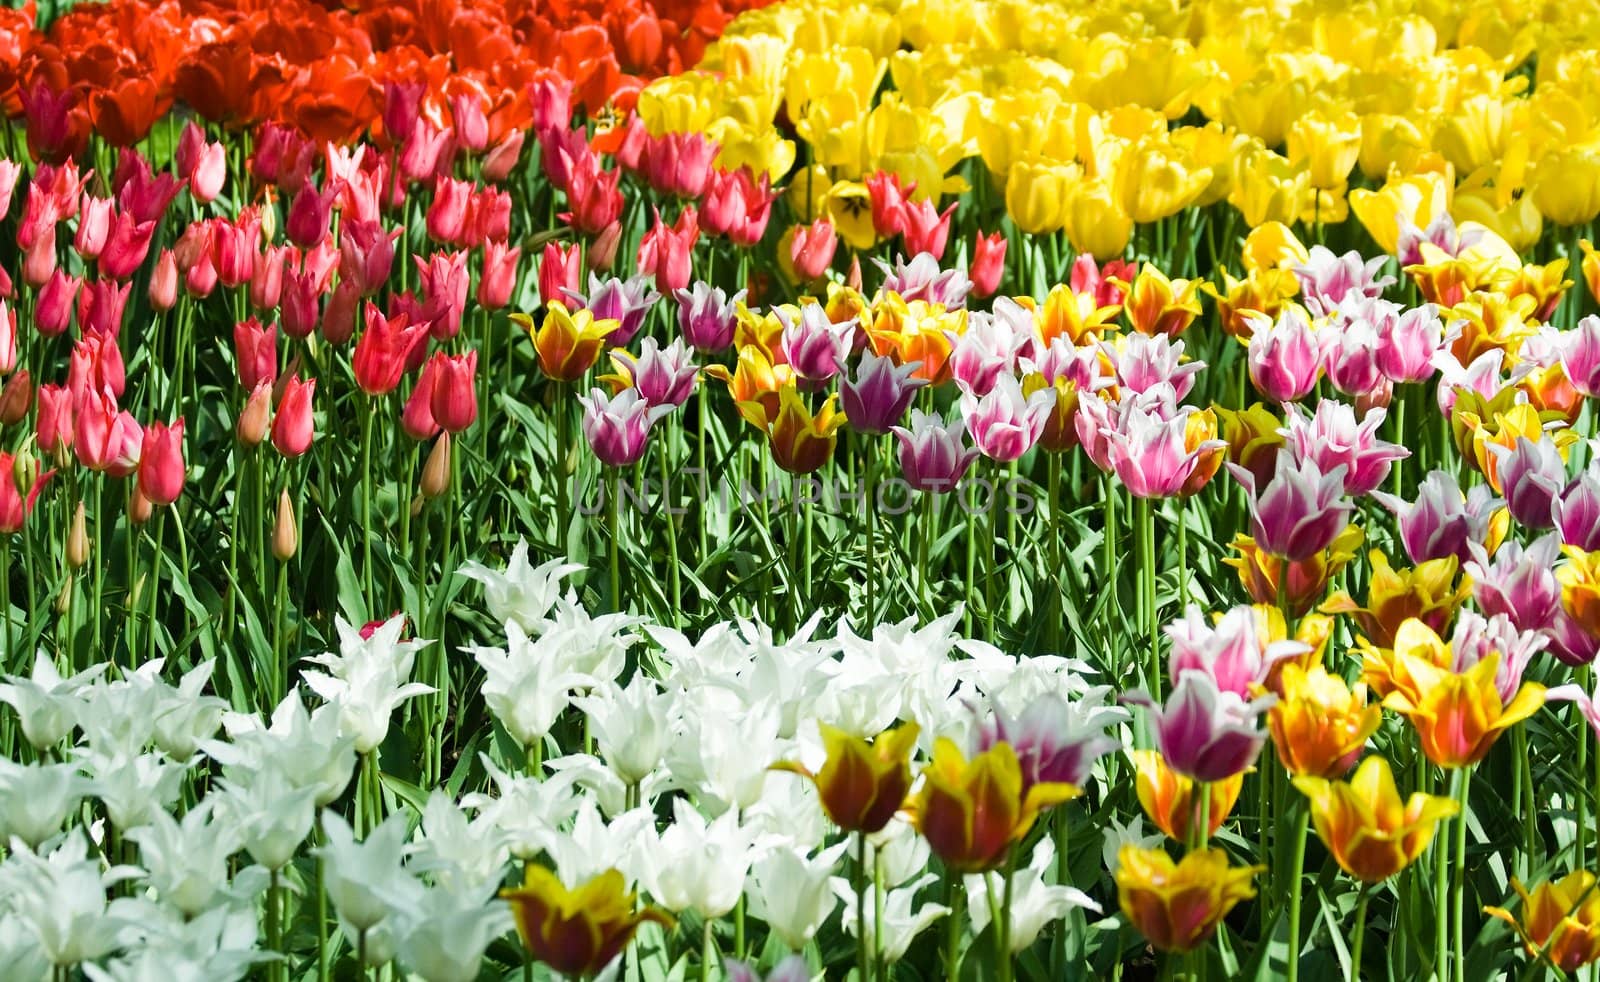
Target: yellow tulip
[[1037, 193], [849, 206], [1268, 188], [1560, 920], [1429, 592], [1095, 221], [1177, 906], [971, 811], [1318, 724], [1419, 199], [1372, 833], [1327, 146], [1566, 186], [863, 784], [1154, 181]]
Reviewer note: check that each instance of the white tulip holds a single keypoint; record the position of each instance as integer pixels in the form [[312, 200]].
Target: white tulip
[[526, 684], [631, 725], [521, 593], [35, 799], [900, 925], [793, 893], [1034, 903], [324, 758], [187, 862], [694, 865], [363, 878], [47, 704], [366, 679], [443, 934]]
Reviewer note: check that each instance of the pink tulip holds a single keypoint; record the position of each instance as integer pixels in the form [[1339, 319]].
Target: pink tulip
[[55, 303], [402, 107], [1570, 643], [628, 302], [934, 456], [560, 269], [502, 158], [815, 347], [455, 398], [1576, 512], [105, 438], [707, 317], [920, 278], [663, 376], [737, 205], [1351, 355], [16, 503], [1519, 584], [366, 255], [1327, 280], [443, 280], [1285, 356], [1148, 447], [499, 276], [292, 425], [1055, 740], [1531, 474], [1004, 424], [423, 149], [1145, 361], [204, 165], [1203, 732], [811, 250], [164, 282], [10, 170], [667, 251], [1332, 438], [1232, 650], [101, 304], [141, 192], [879, 394], [1477, 638], [1300, 511], [1580, 356], [618, 427], [926, 228], [1442, 521], [416, 418], [161, 467], [1408, 343], [94, 225], [447, 215], [988, 349], [8, 339]]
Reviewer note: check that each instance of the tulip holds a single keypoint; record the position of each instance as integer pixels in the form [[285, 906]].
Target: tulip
[[1458, 715], [1429, 592], [1333, 438], [1407, 344], [706, 316], [416, 418], [9, 172], [592, 194], [666, 252], [164, 282], [455, 400], [423, 149], [879, 394], [202, 164], [814, 346], [567, 344], [811, 249], [53, 307], [626, 301], [1519, 584], [1327, 279], [1149, 449], [577, 932], [888, 201], [988, 264], [1576, 512], [618, 427], [1177, 906], [309, 214], [292, 425], [754, 384], [96, 366], [16, 398], [801, 441], [1560, 920], [972, 811], [161, 467], [926, 228], [1477, 637], [863, 784], [256, 416], [663, 376], [94, 226], [499, 276], [1234, 652], [1285, 356], [1204, 732], [1443, 521], [1056, 742], [1318, 725], [366, 254], [20, 485], [256, 352], [933, 455], [737, 205], [1169, 797], [383, 349], [1003, 423], [1350, 357], [1037, 196], [1370, 831], [55, 426], [1300, 512], [266, 286], [101, 304], [105, 438]]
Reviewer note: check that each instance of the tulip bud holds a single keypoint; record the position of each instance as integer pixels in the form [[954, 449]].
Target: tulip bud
[[15, 398], [63, 601], [285, 535], [139, 507], [78, 539], [603, 253], [436, 471], [164, 282], [256, 415]]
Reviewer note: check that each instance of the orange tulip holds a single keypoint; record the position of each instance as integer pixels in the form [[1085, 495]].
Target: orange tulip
[[1318, 724], [1177, 906], [863, 784], [1560, 918], [1158, 305], [971, 811], [1306, 579], [1370, 831], [801, 442], [1458, 715], [1169, 799], [1429, 592], [754, 384], [1580, 587]]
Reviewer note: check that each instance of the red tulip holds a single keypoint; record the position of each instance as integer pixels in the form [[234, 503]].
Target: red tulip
[[667, 251], [812, 249], [55, 424], [499, 275], [416, 418], [560, 269], [988, 264], [447, 216], [16, 504], [455, 399], [309, 215], [104, 437], [256, 350], [382, 350], [161, 468], [927, 229], [292, 427], [16, 397], [888, 203], [53, 307]]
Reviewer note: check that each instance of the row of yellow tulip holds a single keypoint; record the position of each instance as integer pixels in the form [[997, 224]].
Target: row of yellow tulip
[[1096, 117]]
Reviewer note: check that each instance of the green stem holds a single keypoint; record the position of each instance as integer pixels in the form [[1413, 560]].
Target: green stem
[[1522, 779], [1441, 935], [1463, 779], [870, 524], [613, 549], [1053, 622], [1147, 569], [859, 875], [1361, 931], [274, 938], [1581, 806], [708, 950], [155, 572], [367, 530], [322, 923], [1296, 868], [5, 595], [879, 966], [674, 574], [956, 895]]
